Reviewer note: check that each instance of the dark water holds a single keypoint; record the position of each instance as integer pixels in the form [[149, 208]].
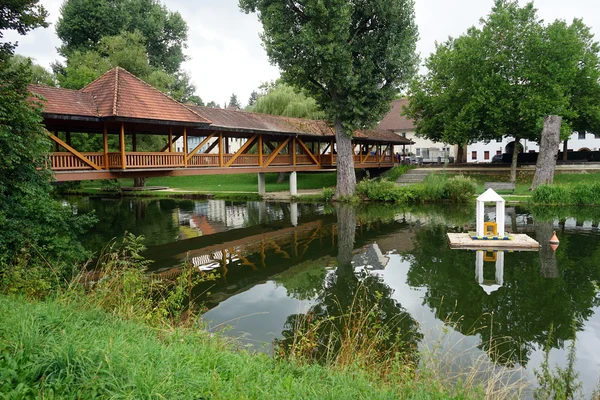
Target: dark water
[[278, 261]]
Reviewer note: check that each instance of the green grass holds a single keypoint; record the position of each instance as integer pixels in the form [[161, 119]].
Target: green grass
[[232, 183], [53, 349]]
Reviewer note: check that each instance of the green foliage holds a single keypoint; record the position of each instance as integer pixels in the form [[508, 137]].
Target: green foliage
[[394, 173], [21, 16], [351, 57], [234, 102], [283, 100], [38, 75], [84, 23], [490, 82], [38, 239], [457, 189], [575, 194], [328, 194]]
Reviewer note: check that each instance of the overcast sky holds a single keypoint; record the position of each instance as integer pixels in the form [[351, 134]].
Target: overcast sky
[[225, 52]]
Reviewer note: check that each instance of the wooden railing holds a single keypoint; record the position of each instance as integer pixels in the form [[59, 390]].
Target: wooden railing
[[66, 161]]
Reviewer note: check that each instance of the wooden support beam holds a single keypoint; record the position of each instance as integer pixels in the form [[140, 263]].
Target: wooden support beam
[[308, 153], [366, 156], [270, 145], [260, 150], [122, 146], [382, 155], [73, 151], [133, 142], [276, 152], [170, 145], [220, 149], [197, 148], [56, 146], [68, 137], [331, 152], [325, 150], [293, 151], [105, 145], [185, 148], [211, 147], [226, 145], [241, 150]]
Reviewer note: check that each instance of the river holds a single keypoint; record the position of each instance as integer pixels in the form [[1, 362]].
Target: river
[[278, 261]]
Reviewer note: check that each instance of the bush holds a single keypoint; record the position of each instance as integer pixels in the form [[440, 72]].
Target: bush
[[460, 189], [394, 173], [578, 194]]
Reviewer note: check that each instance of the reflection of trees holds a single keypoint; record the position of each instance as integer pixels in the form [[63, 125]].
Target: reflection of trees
[[151, 218], [527, 304], [352, 302]]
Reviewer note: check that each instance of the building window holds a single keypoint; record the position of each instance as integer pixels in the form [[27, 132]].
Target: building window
[[473, 155], [486, 155], [581, 135], [418, 152], [498, 152]]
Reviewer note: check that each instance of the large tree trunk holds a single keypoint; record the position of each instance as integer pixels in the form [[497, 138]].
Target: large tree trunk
[[515, 158], [461, 154], [548, 264], [546, 162], [346, 229], [346, 179], [139, 182]]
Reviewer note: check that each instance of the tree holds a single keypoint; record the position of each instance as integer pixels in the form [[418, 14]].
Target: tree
[[283, 100], [350, 56], [38, 75], [504, 78], [212, 104], [21, 16], [234, 102], [546, 162], [37, 231], [83, 24], [253, 98]]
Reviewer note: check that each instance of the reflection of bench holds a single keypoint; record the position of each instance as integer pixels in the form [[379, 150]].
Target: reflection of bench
[[499, 186]]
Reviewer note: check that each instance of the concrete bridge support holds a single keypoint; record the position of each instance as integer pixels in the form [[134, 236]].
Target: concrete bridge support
[[293, 184], [261, 184]]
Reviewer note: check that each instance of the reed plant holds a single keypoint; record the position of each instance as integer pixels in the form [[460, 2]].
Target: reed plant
[[567, 194]]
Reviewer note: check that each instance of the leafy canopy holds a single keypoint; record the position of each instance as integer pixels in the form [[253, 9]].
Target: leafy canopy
[[282, 99], [350, 56], [503, 78], [22, 16], [234, 102], [83, 24]]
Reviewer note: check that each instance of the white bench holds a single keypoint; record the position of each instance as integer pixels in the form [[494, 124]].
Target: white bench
[[499, 186]]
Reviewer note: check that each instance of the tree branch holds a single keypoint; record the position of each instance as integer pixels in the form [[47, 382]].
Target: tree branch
[[320, 86], [297, 10], [362, 27]]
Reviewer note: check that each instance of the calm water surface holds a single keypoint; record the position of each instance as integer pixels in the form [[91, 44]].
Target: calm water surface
[[278, 261]]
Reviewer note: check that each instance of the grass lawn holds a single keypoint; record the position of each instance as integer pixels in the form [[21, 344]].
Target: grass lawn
[[233, 183]]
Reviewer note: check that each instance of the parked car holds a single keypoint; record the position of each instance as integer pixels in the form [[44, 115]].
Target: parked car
[[497, 158]]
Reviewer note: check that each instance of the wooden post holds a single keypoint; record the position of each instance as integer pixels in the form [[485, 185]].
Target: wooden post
[[331, 152], [185, 148], [170, 148], [68, 137], [122, 146], [56, 148], [105, 145], [133, 142], [294, 151], [220, 149], [260, 150], [227, 145]]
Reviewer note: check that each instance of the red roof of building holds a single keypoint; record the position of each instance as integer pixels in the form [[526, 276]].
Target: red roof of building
[[394, 120], [65, 101]]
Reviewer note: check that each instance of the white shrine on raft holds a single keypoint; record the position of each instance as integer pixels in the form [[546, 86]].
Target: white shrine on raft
[[491, 235]]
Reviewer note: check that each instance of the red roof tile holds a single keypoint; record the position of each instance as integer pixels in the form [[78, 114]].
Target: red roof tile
[[394, 120], [118, 93], [65, 101]]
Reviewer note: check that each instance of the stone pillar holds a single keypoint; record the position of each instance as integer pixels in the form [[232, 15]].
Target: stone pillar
[[294, 213], [293, 185], [261, 184]]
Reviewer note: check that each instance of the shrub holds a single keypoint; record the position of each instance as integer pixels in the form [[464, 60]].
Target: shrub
[[460, 189], [394, 173]]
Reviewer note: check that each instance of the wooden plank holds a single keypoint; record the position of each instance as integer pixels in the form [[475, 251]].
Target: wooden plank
[[220, 149], [308, 153], [241, 150], [73, 151], [260, 150], [168, 148], [293, 151], [105, 145], [382, 155], [170, 145], [518, 242], [185, 148], [211, 147], [122, 146], [277, 151], [202, 143], [362, 160]]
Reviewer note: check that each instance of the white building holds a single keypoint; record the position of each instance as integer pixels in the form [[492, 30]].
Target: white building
[[402, 126], [483, 152], [193, 141]]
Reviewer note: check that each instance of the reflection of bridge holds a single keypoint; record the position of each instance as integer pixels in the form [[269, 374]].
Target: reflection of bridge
[[121, 105]]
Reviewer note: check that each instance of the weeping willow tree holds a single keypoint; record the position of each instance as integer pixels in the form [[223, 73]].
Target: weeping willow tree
[[285, 100]]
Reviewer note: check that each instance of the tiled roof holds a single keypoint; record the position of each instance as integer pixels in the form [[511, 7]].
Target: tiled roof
[[65, 101], [253, 122], [394, 121], [118, 93]]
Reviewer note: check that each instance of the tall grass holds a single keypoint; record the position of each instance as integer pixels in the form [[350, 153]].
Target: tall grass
[[574, 194], [435, 188], [393, 174]]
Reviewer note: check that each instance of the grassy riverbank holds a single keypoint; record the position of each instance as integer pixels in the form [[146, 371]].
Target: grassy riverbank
[[69, 350]]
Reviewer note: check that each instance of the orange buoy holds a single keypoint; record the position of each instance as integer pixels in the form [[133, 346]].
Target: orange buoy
[[554, 239], [554, 247]]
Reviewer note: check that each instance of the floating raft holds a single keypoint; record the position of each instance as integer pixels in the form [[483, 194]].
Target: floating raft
[[516, 242]]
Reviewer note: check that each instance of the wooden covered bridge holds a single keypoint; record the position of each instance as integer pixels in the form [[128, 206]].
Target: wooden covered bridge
[[122, 105]]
